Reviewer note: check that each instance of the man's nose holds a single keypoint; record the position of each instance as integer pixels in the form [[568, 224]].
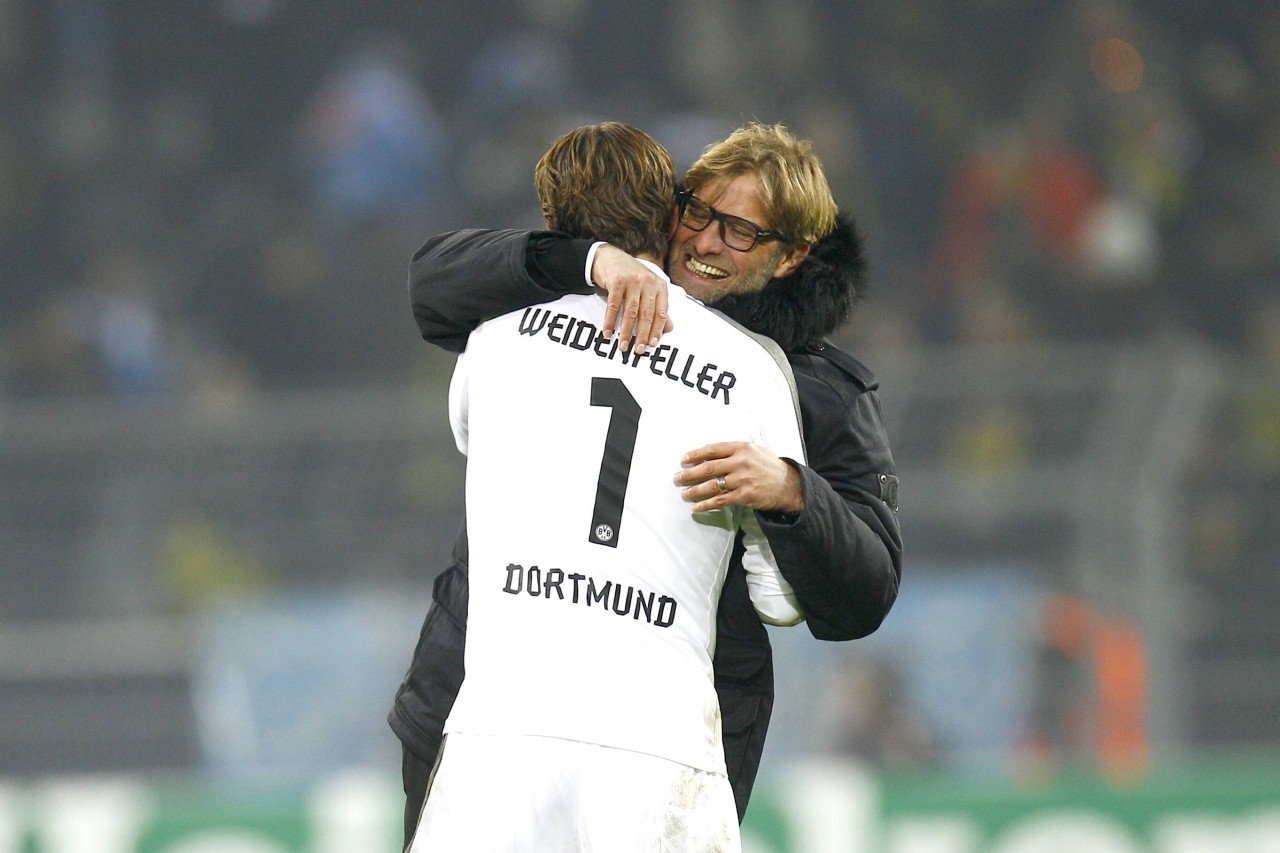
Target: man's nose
[[708, 240]]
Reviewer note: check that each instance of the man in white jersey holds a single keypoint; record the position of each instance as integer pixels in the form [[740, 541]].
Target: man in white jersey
[[588, 718]]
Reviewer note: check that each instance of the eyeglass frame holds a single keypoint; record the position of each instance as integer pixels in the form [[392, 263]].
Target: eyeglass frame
[[761, 234]]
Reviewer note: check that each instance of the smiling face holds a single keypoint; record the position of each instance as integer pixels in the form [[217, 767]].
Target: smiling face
[[709, 270]]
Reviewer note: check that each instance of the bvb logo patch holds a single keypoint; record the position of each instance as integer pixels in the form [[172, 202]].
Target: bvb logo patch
[[604, 533]]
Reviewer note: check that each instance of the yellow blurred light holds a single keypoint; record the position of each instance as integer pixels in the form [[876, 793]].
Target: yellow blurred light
[[1117, 65]]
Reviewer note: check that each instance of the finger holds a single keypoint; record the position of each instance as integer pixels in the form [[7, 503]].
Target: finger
[[702, 493], [718, 450], [710, 504], [644, 327], [720, 500], [708, 486], [611, 310], [704, 472], [688, 477], [661, 321], [627, 323]]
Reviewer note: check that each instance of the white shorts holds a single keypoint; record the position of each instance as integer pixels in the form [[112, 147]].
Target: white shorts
[[516, 794]]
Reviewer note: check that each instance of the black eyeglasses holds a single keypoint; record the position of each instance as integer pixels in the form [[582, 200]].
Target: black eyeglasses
[[736, 232]]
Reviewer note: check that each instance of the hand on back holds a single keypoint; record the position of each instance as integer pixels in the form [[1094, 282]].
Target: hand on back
[[637, 305]]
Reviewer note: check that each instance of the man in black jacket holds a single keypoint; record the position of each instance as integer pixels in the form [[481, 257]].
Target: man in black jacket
[[741, 245]]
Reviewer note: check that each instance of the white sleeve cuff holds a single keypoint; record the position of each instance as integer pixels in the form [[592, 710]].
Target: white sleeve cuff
[[591, 259]]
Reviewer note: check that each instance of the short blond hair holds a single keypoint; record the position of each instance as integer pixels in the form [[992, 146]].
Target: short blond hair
[[793, 187], [609, 181]]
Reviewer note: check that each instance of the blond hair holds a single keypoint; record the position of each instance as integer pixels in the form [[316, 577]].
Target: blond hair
[[793, 188], [609, 181]]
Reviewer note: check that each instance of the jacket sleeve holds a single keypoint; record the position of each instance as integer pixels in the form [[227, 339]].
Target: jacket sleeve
[[459, 279], [842, 554], [431, 684]]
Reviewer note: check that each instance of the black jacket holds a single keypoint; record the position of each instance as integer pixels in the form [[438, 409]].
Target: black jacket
[[842, 553]]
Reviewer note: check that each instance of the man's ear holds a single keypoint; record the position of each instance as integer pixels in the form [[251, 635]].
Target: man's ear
[[791, 259], [675, 222]]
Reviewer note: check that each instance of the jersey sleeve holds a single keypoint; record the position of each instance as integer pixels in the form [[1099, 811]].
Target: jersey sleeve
[[774, 599], [459, 388]]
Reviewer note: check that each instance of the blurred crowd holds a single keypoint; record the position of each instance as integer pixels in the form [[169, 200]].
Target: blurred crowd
[[222, 195]]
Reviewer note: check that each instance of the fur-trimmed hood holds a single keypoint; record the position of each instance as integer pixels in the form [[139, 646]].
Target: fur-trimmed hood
[[813, 301]]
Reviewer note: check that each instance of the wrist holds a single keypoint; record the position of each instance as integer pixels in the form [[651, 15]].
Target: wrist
[[591, 262], [795, 488], [790, 502]]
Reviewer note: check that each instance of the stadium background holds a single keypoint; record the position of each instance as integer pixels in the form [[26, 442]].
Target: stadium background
[[227, 480]]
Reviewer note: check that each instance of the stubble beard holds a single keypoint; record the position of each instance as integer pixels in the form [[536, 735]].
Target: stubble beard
[[709, 292]]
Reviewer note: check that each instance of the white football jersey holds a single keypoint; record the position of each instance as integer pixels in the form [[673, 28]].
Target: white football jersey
[[593, 586]]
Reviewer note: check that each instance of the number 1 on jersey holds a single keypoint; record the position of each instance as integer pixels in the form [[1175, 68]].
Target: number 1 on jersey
[[615, 466]]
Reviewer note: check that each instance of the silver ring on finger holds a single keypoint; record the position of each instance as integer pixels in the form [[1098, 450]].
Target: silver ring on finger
[[722, 483]]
